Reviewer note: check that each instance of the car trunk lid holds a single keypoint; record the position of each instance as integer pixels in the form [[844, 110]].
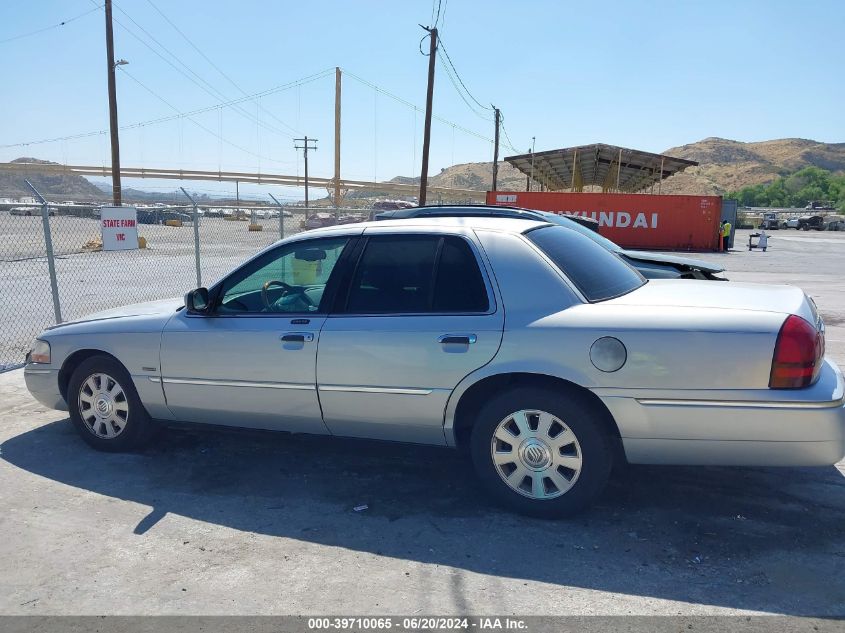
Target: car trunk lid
[[729, 295]]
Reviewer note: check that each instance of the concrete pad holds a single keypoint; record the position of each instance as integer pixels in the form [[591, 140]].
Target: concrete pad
[[213, 522]]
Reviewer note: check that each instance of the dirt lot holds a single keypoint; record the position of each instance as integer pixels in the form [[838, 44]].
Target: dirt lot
[[222, 522], [92, 281]]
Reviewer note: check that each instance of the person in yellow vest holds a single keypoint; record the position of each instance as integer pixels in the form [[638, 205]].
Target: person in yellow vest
[[726, 235]]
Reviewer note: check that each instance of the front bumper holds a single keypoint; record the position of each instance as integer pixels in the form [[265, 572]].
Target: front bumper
[[43, 383], [764, 428]]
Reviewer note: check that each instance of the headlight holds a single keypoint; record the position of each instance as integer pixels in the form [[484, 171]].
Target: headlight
[[40, 352]]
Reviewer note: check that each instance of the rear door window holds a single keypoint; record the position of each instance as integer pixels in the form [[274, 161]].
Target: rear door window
[[459, 286], [417, 274], [595, 271]]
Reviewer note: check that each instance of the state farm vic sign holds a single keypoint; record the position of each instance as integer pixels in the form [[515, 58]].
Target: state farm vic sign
[[633, 220], [119, 227]]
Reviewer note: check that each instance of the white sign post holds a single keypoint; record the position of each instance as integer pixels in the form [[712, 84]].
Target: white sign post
[[119, 227]]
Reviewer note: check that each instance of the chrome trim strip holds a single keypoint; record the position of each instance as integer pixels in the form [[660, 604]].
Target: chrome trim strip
[[37, 371], [154, 378], [741, 404], [237, 383], [391, 390]]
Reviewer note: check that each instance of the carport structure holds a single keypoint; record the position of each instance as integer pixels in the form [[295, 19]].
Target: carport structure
[[609, 167]]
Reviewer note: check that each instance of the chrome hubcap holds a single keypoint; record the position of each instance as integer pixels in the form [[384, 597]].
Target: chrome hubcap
[[103, 406], [536, 454]]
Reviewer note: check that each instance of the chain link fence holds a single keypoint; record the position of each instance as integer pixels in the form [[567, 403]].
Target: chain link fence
[[180, 242]]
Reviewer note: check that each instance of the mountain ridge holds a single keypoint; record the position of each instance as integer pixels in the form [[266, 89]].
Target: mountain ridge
[[725, 165]]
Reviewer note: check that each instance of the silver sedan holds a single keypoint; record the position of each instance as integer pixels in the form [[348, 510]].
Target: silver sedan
[[541, 354]]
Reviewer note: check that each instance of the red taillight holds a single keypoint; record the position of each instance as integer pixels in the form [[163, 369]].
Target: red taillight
[[798, 355]]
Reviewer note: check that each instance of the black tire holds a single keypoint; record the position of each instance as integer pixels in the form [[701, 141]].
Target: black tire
[[575, 412], [138, 428]]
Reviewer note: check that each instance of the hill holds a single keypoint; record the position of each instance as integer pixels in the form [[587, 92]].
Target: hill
[[476, 176], [725, 165], [51, 186]]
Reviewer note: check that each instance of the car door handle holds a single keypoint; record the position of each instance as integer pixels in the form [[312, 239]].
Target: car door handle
[[457, 339], [297, 337]]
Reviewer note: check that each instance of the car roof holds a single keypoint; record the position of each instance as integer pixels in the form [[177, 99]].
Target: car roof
[[455, 209], [507, 225], [503, 211]]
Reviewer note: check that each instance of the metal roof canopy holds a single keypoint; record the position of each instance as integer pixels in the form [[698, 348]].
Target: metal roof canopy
[[607, 166]]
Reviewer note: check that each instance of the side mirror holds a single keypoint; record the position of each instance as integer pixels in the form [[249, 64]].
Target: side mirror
[[197, 300]]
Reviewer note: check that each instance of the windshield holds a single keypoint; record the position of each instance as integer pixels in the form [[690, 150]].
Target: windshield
[[562, 220], [597, 273]]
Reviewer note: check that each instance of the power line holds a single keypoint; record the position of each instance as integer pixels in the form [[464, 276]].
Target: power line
[[208, 88], [414, 107], [49, 28], [293, 84], [504, 130], [443, 23], [454, 81], [71, 137], [205, 85], [449, 59], [215, 66], [198, 124]]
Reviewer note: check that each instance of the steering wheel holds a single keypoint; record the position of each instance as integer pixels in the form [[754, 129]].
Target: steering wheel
[[265, 299]]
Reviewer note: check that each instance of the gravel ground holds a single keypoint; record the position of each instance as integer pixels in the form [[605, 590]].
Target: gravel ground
[[93, 281], [214, 522]]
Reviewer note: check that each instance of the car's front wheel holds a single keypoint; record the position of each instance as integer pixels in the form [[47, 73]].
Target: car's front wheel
[[105, 408], [540, 452]]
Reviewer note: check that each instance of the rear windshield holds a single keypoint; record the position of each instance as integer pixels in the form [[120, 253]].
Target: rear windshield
[[555, 218], [595, 271]]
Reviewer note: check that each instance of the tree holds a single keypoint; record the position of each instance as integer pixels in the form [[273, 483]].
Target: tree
[[806, 185]]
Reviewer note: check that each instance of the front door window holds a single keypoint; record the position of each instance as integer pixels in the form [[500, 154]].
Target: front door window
[[288, 279]]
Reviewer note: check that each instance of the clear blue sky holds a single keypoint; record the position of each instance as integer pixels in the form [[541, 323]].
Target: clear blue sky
[[649, 74]]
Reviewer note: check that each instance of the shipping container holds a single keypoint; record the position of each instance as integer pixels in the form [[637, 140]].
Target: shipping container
[[677, 223]]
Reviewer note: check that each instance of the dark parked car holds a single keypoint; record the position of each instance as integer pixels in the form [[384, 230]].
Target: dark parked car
[[391, 205], [160, 216], [319, 220], [807, 222], [352, 218], [650, 265]]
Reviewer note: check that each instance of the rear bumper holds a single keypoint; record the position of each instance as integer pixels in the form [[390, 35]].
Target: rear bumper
[[799, 428], [43, 384], [733, 452]]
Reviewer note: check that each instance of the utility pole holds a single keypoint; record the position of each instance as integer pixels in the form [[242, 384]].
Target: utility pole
[[531, 177], [496, 148], [115, 144], [429, 97], [528, 176], [305, 147], [533, 143], [336, 137]]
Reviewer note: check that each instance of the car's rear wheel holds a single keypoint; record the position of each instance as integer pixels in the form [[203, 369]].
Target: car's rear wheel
[[541, 453], [105, 408]]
